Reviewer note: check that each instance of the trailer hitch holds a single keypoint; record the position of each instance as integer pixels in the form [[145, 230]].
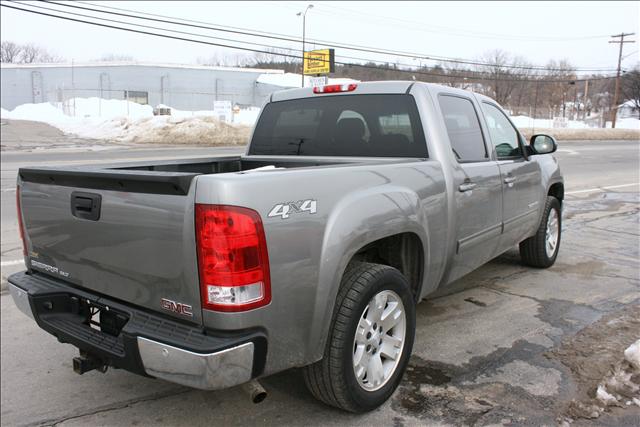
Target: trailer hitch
[[86, 362]]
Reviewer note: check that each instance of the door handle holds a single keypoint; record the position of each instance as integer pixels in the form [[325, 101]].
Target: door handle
[[467, 186], [86, 205], [510, 180]]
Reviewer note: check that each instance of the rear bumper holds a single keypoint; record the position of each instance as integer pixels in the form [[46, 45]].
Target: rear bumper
[[147, 344]]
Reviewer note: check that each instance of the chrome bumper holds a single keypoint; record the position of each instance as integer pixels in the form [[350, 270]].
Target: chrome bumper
[[213, 371], [21, 299], [210, 371]]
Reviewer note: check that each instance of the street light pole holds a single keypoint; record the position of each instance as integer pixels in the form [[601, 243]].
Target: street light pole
[[304, 19]]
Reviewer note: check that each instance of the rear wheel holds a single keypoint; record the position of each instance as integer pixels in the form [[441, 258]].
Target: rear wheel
[[541, 250], [370, 340]]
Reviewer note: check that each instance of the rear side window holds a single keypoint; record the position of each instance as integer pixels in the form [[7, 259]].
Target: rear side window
[[385, 125], [463, 128]]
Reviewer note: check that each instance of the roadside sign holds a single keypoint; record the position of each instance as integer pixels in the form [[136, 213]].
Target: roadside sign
[[319, 81], [222, 110], [319, 61]]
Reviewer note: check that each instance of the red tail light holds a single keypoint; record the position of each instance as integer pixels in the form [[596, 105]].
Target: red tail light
[[335, 88], [20, 225], [232, 258]]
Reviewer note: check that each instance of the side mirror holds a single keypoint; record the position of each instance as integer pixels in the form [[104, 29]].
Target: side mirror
[[543, 144]]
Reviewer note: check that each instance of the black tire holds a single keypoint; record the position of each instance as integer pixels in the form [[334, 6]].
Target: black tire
[[533, 250], [332, 379]]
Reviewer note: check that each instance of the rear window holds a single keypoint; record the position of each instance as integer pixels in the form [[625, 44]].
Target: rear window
[[341, 125]]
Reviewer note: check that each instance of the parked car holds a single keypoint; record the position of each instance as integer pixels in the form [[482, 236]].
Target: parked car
[[351, 204]]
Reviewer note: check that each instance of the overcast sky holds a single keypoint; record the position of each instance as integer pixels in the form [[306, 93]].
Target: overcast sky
[[539, 31]]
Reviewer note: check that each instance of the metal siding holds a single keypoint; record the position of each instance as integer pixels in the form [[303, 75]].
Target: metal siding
[[189, 89]]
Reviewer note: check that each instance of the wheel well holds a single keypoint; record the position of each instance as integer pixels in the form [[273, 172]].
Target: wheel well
[[401, 251], [557, 191]]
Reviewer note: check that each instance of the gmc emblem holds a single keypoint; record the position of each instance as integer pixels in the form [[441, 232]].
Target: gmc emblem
[[176, 307]]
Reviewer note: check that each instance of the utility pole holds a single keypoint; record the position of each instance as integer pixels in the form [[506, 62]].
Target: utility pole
[[616, 93], [304, 26], [585, 98]]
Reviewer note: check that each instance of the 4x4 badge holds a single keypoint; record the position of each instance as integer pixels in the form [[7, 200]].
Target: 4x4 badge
[[283, 210]]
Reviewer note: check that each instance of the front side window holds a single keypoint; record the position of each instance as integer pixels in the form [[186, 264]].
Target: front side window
[[504, 136], [376, 125], [463, 128]]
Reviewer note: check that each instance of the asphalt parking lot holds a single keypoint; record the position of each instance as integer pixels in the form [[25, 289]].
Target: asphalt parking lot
[[506, 345]]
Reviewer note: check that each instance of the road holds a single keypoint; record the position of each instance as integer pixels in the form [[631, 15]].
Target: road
[[498, 349]]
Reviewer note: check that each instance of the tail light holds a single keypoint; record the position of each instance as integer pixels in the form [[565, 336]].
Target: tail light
[[20, 224], [232, 258], [335, 88]]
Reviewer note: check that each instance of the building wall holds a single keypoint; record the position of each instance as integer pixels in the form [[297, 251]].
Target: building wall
[[182, 88]]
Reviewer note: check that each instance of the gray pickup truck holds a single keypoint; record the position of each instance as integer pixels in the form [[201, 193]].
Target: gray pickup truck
[[351, 204]]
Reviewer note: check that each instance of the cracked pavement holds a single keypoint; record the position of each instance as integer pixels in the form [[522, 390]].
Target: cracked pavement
[[496, 348]]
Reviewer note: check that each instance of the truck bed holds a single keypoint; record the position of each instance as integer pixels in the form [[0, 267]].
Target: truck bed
[[166, 177]]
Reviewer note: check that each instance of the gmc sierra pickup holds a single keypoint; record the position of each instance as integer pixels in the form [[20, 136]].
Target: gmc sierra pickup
[[352, 203]]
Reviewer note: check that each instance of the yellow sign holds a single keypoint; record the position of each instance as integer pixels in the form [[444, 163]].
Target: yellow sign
[[319, 61]]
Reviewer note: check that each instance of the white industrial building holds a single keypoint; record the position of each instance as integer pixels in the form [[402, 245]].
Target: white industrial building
[[184, 87]]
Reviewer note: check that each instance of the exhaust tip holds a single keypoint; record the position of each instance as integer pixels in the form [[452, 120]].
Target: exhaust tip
[[259, 397], [256, 392]]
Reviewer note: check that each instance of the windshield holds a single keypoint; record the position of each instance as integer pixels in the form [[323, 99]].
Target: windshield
[[341, 125]]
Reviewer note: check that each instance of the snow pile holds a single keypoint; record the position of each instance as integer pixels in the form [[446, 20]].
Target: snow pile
[[106, 108], [188, 130], [126, 121], [246, 116], [527, 122], [632, 355], [162, 130], [626, 123], [44, 112], [622, 386]]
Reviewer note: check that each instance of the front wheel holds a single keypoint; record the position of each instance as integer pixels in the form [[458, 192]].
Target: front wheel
[[370, 340], [541, 250]]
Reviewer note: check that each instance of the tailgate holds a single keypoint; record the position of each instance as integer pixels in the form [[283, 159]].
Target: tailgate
[[126, 235]]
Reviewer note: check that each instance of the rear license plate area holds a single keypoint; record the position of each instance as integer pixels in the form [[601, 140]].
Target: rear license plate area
[[75, 309]]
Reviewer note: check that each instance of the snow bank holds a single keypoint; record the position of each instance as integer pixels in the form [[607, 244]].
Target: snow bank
[[188, 130], [125, 121], [45, 112], [632, 355], [588, 134], [619, 388], [246, 116], [628, 123], [525, 121], [163, 130], [528, 122], [106, 108]]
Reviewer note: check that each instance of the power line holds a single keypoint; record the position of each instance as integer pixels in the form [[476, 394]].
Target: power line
[[455, 32], [180, 32], [414, 72], [275, 36]]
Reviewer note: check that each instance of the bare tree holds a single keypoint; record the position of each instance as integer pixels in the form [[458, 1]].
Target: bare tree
[[501, 81], [227, 60], [560, 76], [32, 53], [456, 73], [631, 86], [9, 52]]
